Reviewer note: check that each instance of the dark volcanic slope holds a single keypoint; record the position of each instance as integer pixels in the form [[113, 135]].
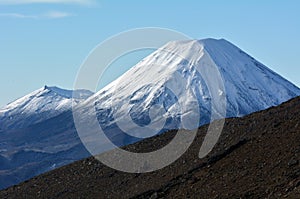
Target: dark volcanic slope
[[257, 157]]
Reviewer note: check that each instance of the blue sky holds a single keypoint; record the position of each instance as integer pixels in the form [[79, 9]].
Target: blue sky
[[44, 42]]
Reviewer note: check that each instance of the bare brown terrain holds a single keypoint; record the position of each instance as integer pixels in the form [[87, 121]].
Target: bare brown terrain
[[257, 156]]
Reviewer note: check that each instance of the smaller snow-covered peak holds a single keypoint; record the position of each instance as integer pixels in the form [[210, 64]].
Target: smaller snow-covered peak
[[42, 104]]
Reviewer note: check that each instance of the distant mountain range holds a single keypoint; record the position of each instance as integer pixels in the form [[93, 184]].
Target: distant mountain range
[[38, 134]]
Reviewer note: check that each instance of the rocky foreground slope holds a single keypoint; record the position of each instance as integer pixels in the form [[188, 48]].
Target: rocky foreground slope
[[257, 156]]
